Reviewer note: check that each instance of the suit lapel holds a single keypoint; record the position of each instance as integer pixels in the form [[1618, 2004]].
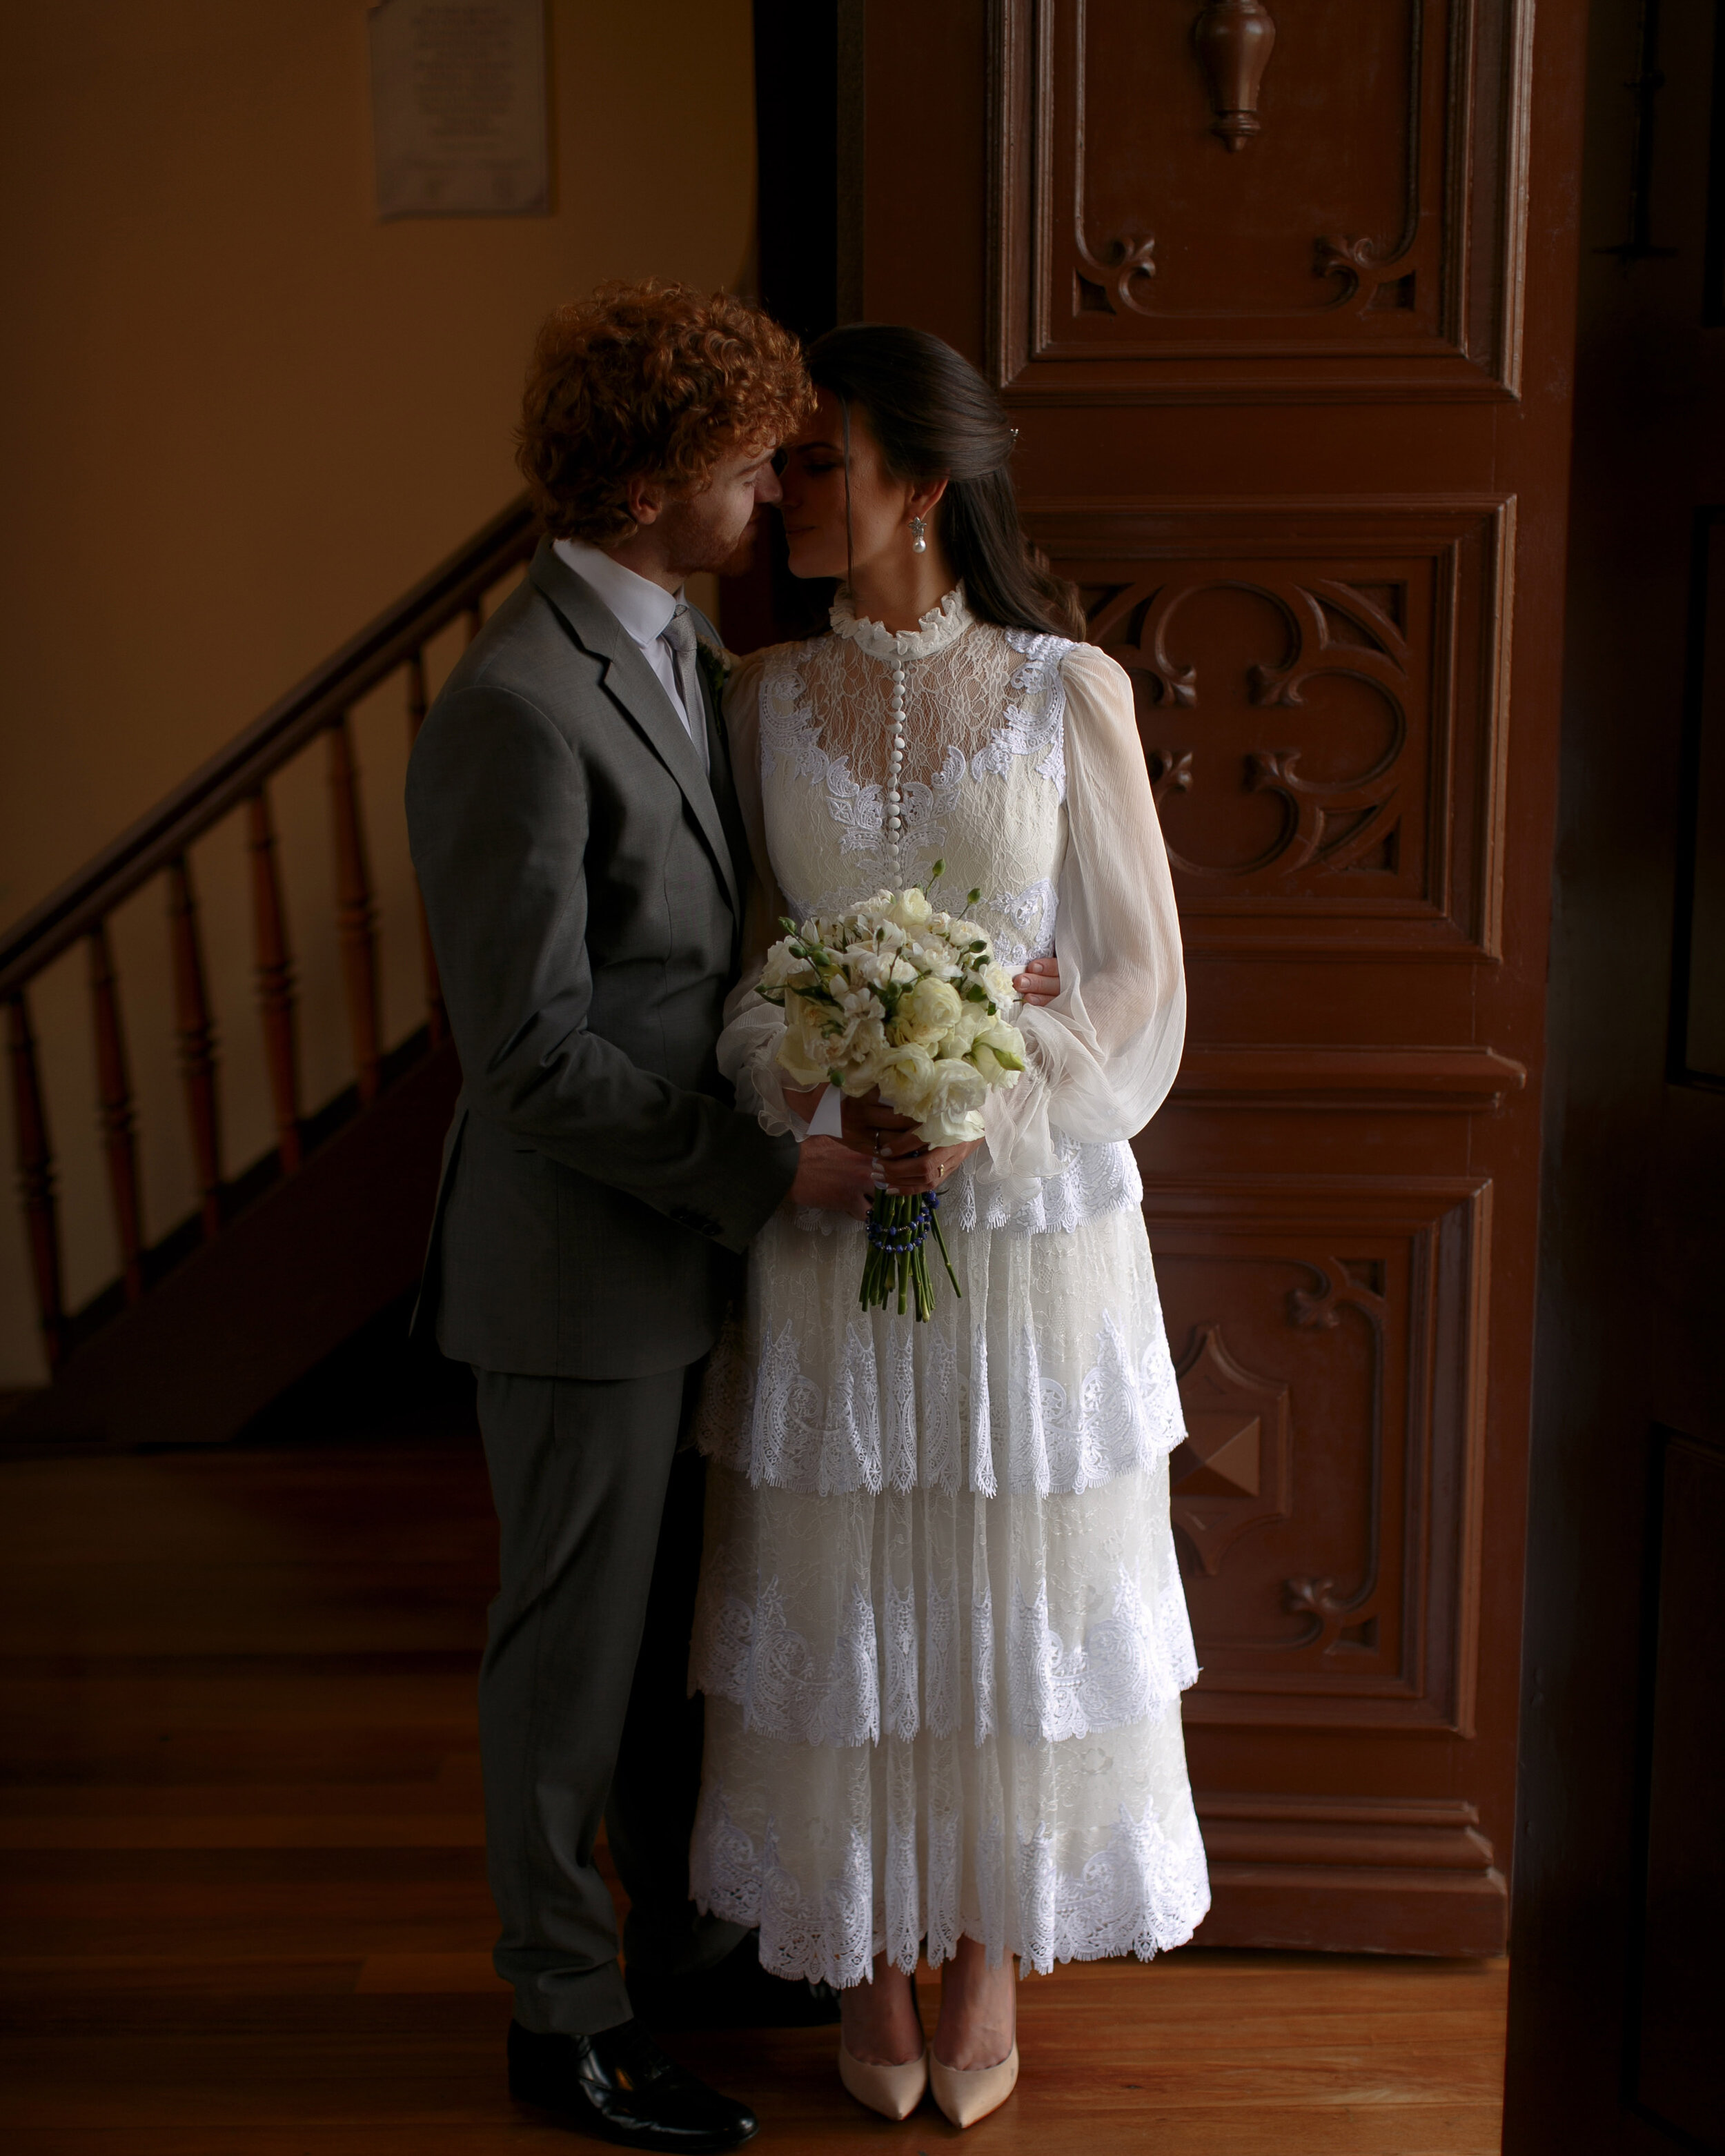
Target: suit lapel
[[632, 684]]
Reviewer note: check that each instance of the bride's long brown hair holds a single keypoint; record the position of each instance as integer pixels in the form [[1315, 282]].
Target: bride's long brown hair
[[932, 413]]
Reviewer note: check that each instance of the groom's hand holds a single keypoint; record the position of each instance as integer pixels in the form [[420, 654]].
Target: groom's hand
[[832, 1174], [872, 1127]]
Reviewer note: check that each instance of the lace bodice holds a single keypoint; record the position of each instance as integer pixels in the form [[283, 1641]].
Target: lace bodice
[[979, 781], [864, 756]]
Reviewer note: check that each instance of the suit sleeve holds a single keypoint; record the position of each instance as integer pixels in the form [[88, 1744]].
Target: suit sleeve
[[497, 819], [754, 1028]]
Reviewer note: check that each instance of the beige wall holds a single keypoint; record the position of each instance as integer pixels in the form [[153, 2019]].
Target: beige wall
[[239, 416]]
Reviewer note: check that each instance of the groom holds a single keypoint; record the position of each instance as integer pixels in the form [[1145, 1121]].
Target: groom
[[577, 840]]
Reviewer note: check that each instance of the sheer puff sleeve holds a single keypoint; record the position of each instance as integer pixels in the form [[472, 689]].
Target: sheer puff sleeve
[[1103, 1054], [749, 1043]]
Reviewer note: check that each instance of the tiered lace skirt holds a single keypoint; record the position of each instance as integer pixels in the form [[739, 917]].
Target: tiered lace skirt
[[941, 1630]]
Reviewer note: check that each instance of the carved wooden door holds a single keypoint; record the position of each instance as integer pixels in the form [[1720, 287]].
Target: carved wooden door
[[1293, 391]]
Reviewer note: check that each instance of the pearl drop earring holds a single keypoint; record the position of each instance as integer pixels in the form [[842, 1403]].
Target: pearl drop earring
[[919, 536]]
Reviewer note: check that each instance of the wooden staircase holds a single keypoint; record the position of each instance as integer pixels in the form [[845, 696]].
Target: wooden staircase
[[281, 1262]]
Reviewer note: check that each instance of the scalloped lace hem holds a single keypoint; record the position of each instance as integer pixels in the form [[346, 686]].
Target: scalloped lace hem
[[1144, 1893]]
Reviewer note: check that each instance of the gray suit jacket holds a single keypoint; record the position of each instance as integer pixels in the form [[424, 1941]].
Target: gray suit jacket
[[583, 879]]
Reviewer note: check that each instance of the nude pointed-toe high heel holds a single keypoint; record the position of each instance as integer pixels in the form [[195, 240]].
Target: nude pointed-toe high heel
[[965, 2096], [895, 2091]]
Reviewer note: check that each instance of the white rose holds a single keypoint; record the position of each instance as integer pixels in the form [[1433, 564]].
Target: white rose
[[953, 1113], [1004, 1042], [905, 1077], [910, 909], [927, 1013], [973, 1021], [804, 1054], [934, 958]]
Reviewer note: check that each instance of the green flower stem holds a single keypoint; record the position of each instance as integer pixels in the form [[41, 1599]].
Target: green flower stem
[[934, 1222], [901, 1275]]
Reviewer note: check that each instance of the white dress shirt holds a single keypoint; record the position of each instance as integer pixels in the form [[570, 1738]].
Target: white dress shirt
[[644, 608]]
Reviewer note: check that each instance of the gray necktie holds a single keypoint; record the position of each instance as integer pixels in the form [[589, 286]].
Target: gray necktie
[[678, 633]]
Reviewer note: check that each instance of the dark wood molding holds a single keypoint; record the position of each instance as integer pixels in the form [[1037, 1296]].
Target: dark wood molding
[[1388, 1875], [1451, 1080]]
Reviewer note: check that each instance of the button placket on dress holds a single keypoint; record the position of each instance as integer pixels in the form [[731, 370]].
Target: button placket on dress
[[895, 776]]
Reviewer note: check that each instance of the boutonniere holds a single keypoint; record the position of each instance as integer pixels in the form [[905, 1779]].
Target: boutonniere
[[715, 662]]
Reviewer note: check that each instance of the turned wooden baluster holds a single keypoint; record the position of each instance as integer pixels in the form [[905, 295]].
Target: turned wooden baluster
[[35, 1175], [113, 1092], [276, 981], [197, 1044], [437, 1019], [356, 917]]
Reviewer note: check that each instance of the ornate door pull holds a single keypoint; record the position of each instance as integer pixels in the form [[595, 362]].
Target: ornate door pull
[[1233, 39]]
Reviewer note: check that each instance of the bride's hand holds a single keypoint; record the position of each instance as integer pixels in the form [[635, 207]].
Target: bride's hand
[[927, 1171], [1041, 981]]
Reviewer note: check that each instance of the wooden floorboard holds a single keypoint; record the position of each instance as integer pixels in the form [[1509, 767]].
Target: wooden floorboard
[[243, 1887]]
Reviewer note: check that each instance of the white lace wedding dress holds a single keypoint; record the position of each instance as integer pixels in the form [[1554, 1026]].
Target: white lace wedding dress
[[941, 1629]]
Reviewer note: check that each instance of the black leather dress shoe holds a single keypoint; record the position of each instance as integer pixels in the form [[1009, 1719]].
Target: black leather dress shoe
[[735, 1993], [619, 2086]]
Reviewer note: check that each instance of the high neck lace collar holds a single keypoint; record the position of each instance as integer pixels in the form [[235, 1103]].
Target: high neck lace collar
[[939, 627]]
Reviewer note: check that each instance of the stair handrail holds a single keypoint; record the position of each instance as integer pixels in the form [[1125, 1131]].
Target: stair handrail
[[236, 775], [221, 783]]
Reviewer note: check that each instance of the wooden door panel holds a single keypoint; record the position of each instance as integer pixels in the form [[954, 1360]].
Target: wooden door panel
[[1329, 1336], [1368, 244], [1322, 690], [1276, 424]]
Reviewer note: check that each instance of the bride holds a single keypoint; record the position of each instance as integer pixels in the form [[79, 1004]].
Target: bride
[[941, 1630]]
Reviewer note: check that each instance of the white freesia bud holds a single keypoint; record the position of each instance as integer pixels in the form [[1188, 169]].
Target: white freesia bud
[[782, 965]]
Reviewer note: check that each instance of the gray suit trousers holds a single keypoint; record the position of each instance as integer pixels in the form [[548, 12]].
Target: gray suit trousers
[[583, 1706]]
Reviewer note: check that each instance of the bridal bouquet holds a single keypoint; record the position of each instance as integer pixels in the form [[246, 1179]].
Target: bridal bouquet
[[897, 996]]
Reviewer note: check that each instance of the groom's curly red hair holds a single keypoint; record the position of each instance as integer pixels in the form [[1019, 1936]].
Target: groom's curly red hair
[[650, 381]]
